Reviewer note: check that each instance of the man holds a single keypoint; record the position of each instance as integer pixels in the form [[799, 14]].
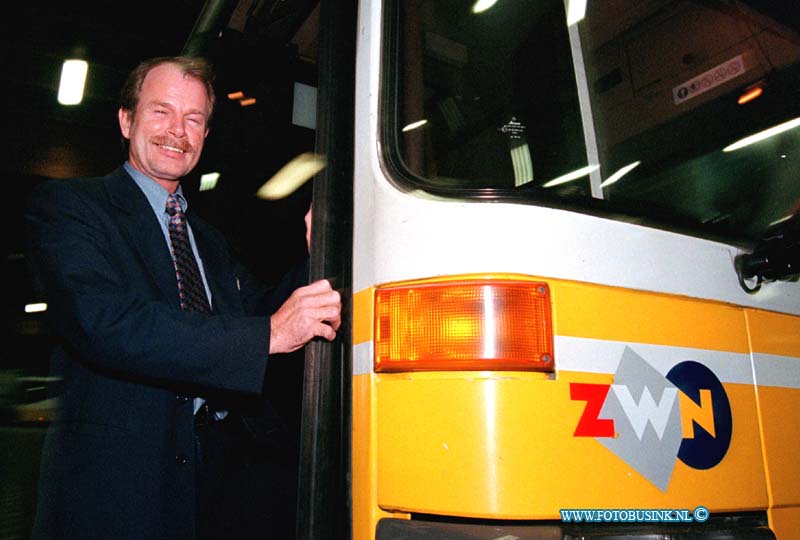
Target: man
[[152, 324]]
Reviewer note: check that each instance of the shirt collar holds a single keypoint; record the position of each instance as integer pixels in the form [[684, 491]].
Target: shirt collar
[[155, 193]]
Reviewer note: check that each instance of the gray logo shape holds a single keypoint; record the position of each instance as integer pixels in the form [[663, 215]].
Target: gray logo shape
[[652, 456]]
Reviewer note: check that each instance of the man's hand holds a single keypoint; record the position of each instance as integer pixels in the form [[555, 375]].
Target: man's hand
[[311, 311]]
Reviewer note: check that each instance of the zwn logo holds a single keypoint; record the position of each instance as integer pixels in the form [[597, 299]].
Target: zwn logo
[[648, 420]]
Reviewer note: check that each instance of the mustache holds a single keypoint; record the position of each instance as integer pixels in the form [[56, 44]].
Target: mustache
[[174, 143]]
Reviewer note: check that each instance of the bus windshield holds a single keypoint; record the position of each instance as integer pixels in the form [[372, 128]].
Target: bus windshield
[[682, 113]]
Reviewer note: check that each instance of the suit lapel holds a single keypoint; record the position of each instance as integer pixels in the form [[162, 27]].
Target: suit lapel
[[143, 232], [217, 274]]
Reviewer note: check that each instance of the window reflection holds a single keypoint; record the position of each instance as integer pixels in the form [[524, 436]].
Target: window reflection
[[666, 86]]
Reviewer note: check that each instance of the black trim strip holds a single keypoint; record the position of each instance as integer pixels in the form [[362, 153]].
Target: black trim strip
[[743, 526], [323, 509]]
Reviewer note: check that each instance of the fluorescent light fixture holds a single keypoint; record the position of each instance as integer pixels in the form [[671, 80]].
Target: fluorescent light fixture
[[761, 135], [73, 80], [574, 175], [209, 181], [576, 11], [781, 220], [291, 176], [247, 102], [482, 5], [523, 165], [235, 96], [36, 308], [415, 125], [750, 95], [614, 178]]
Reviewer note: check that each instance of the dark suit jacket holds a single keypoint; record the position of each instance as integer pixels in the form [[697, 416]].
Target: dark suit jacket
[[119, 461]]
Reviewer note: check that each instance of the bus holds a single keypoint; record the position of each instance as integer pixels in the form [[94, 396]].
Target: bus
[[566, 233]]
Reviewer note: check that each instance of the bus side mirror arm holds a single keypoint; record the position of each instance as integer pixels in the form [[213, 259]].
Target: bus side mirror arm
[[776, 257]]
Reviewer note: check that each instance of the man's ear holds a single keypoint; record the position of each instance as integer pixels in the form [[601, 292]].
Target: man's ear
[[124, 116]]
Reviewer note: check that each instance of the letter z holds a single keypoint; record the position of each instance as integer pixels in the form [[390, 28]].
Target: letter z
[[590, 425]]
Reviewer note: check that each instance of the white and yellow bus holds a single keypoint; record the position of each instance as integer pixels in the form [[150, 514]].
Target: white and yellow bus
[[544, 216]]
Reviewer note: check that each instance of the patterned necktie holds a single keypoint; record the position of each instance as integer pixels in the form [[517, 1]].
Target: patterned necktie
[[190, 285]]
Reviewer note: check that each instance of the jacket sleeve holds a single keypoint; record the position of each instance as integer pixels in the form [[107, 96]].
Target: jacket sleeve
[[269, 300], [104, 305]]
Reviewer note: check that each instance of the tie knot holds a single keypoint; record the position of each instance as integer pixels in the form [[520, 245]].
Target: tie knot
[[173, 205]]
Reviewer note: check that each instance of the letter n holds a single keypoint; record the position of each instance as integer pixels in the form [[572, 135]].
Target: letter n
[[590, 425], [702, 414]]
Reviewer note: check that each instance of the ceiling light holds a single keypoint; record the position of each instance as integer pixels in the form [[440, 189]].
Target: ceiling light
[[241, 98], [574, 175], [761, 135], [415, 125], [36, 308], [750, 95], [209, 181], [620, 173], [781, 220], [73, 80], [291, 176], [482, 5], [576, 11]]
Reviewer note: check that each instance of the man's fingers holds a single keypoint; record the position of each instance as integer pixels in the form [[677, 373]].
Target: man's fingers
[[321, 286], [325, 313], [325, 331], [313, 310], [317, 294]]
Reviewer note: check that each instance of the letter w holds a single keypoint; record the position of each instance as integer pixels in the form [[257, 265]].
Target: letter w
[[594, 395], [646, 410]]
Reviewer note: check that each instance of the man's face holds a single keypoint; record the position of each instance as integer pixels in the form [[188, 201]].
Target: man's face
[[169, 125]]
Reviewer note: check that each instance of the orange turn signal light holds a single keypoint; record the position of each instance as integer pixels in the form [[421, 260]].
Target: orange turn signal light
[[474, 324]]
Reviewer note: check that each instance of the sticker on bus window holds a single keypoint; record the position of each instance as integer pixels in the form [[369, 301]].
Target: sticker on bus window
[[709, 79]]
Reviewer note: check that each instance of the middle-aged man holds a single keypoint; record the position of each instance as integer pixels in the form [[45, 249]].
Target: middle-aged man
[[155, 321]]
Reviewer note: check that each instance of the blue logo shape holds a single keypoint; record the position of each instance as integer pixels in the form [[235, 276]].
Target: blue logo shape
[[704, 450]]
